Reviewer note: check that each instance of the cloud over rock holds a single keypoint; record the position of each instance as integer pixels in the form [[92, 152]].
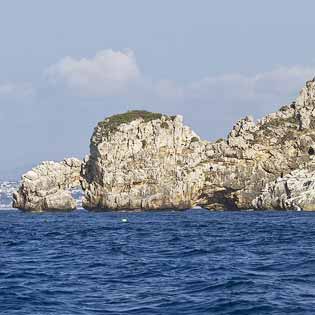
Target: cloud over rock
[[107, 73]]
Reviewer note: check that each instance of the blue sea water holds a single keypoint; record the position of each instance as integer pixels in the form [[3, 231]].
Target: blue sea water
[[192, 262]]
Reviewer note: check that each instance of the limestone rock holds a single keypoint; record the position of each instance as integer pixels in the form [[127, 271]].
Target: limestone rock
[[295, 191], [45, 186], [142, 160], [256, 154]]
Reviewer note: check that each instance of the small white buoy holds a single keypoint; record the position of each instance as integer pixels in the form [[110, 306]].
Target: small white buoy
[[124, 220]]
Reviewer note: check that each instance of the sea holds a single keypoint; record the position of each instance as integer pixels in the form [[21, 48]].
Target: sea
[[158, 262]]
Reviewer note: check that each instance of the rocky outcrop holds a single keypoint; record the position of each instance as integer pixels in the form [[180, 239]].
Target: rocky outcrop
[[295, 191], [256, 154], [143, 160], [46, 186]]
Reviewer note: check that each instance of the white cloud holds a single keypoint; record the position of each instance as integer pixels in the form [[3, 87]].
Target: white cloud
[[282, 81], [213, 104], [11, 90], [260, 92], [112, 73], [107, 73], [218, 101]]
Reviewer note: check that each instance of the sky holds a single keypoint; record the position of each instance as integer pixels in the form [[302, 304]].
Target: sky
[[65, 65]]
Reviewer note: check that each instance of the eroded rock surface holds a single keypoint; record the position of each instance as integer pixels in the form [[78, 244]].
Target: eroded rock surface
[[142, 160], [256, 154], [157, 162], [46, 186], [295, 191]]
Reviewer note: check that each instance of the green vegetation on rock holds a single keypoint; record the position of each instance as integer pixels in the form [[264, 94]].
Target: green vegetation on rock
[[111, 124]]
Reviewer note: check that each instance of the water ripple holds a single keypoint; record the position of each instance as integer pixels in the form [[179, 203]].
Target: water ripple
[[193, 262]]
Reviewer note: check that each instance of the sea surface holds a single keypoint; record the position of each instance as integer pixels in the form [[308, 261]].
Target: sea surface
[[192, 262]]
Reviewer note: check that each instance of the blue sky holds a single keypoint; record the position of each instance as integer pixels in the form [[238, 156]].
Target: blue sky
[[65, 65]]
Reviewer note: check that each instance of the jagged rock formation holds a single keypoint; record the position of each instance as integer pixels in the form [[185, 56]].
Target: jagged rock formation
[[295, 191], [157, 162], [46, 186], [252, 156], [142, 160]]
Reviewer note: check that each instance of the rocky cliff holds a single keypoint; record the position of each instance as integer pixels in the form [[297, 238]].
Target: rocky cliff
[[157, 162], [143, 160], [255, 154], [46, 187], [294, 191]]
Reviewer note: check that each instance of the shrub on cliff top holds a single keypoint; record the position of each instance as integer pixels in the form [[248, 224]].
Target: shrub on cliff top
[[111, 123]]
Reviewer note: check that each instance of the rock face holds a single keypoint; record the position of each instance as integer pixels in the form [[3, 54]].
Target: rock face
[[295, 191], [156, 162], [142, 160], [45, 186], [256, 154]]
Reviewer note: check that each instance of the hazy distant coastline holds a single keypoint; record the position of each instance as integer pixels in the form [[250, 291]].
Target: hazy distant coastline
[[6, 190]]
